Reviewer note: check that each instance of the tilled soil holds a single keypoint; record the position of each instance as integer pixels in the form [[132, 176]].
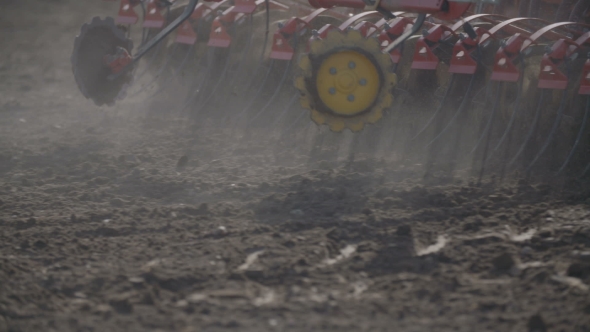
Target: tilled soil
[[128, 220]]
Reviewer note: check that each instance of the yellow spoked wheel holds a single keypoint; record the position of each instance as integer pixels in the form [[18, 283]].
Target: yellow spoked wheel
[[345, 81]]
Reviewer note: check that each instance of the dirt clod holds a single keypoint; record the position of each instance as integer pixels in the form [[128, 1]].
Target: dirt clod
[[122, 306], [536, 324], [579, 270], [404, 230], [503, 262], [117, 202], [182, 162]]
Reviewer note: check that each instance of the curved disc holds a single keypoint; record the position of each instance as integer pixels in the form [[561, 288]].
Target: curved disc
[[97, 39]]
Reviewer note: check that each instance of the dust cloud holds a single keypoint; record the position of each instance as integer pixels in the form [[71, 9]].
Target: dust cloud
[[152, 216]]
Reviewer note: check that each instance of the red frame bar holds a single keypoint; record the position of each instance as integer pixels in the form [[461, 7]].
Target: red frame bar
[[424, 57], [461, 61], [397, 26], [186, 34], [127, 14], [153, 15], [219, 37], [281, 46]]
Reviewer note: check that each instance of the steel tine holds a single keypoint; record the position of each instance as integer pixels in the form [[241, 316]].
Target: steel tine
[[505, 157], [175, 73], [531, 130], [286, 109], [274, 95], [259, 65], [267, 30], [295, 123], [459, 111], [513, 116], [578, 137], [438, 110], [286, 71], [190, 100], [316, 145], [352, 149], [212, 62], [240, 64], [155, 78], [585, 171], [144, 30], [150, 61], [221, 76], [258, 91], [290, 128], [554, 128], [489, 124], [488, 133], [241, 67], [217, 84], [512, 120]]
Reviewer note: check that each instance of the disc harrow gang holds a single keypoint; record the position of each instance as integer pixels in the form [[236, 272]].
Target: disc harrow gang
[[498, 86]]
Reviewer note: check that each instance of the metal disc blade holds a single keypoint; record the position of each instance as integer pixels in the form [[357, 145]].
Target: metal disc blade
[[97, 39]]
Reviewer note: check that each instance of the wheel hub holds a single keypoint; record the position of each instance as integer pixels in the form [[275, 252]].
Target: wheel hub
[[345, 80], [348, 82]]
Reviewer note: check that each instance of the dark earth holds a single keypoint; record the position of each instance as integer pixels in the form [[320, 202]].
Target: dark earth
[[127, 219]]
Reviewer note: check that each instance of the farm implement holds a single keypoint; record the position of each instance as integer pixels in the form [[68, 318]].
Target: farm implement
[[501, 85]]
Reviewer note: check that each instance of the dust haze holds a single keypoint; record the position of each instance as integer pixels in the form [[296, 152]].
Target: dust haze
[[152, 215]]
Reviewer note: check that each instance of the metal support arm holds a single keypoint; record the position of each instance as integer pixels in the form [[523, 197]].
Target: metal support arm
[[190, 8], [417, 24]]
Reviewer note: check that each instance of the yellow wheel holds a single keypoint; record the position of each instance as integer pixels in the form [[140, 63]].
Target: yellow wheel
[[345, 81]]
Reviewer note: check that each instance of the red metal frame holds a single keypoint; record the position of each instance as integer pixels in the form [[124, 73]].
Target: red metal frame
[[415, 6], [186, 34], [281, 45], [219, 37], [358, 4], [504, 68], [532, 40], [245, 6], [363, 15], [127, 14], [118, 61], [424, 57], [153, 15], [550, 77], [367, 28], [509, 27], [485, 17], [323, 31], [250, 6], [462, 61], [397, 26], [456, 10], [203, 9]]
